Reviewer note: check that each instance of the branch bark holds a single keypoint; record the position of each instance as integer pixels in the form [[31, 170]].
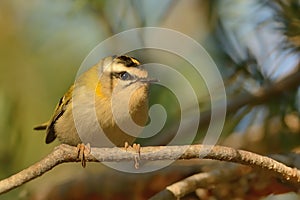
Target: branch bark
[[201, 180], [65, 153]]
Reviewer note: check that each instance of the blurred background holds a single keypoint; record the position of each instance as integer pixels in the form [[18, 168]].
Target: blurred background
[[255, 44]]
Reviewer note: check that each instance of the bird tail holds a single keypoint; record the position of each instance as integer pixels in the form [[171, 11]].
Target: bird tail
[[41, 126]]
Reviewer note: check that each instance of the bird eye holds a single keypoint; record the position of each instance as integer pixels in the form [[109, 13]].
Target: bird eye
[[125, 76]]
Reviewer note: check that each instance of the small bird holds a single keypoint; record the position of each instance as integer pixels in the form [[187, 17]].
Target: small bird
[[113, 77]]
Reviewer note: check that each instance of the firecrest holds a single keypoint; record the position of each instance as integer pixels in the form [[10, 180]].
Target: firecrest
[[112, 76]]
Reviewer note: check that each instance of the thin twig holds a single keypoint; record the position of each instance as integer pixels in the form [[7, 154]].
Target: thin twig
[[66, 153]]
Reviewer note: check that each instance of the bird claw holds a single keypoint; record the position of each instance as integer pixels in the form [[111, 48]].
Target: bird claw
[[137, 149], [82, 151]]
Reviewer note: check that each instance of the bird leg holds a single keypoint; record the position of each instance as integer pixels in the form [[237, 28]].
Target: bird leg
[[82, 150]]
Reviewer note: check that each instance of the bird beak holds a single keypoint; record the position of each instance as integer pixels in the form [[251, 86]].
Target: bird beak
[[148, 80]]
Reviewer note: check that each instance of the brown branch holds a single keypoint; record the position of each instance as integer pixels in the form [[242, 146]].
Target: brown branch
[[66, 153], [200, 180]]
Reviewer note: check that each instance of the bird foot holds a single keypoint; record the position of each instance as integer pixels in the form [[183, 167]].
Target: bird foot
[[82, 150], [137, 149]]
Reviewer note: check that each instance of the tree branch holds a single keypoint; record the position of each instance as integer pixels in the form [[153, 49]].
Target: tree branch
[[200, 180], [65, 153]]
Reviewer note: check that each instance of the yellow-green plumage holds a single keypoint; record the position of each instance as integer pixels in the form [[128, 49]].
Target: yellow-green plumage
[[97, 85]]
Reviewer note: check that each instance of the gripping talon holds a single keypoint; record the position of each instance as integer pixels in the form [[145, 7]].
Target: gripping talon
[[137, 149], [126, 146], [82, 150], [136, 162]]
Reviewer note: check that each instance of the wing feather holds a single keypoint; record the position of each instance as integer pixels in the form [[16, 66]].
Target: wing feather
[[58, 112]]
